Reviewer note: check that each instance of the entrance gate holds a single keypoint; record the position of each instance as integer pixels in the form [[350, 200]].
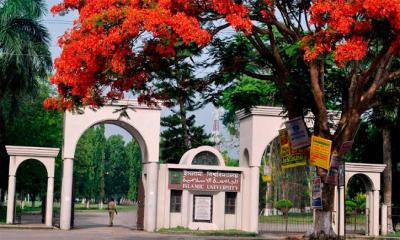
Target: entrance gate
[[143, 123]]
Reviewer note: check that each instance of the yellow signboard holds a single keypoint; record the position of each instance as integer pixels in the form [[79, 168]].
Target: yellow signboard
[[320, 152], [266, 178], [290, 158]]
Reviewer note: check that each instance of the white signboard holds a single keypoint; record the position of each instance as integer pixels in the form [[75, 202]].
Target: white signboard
[[202, 208], [298, 134]]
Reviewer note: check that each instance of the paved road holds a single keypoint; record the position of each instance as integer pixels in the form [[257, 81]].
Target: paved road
[[93, 226]]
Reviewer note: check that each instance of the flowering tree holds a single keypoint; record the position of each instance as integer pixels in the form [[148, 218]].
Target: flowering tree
[[346, 45]]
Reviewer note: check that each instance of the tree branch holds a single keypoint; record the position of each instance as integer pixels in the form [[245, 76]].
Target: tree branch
[[259, 76], [322, 113], [219, 28], [379, 80], [392, 76]]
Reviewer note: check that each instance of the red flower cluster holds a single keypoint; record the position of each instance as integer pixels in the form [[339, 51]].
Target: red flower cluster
[[115, 44], [345, 27]]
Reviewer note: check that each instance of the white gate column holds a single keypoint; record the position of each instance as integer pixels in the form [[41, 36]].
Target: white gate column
[[376, 213], [341, 222], [66, 194], [384, 219], [151, 197], [11, 199], [254, 193], [49, 201]]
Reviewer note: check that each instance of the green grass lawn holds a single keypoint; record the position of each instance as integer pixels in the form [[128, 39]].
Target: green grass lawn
[[3, 214], [395, 234], [351, 220], [294, 218], [95, 207], [229, 233]]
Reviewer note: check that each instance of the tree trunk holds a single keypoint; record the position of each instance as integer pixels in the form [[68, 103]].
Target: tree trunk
[[43, 208], [4, 158], [21, 197], [182, 113], [102, 180], [33, 200], [387, 174], [2, 192], [87, 203]]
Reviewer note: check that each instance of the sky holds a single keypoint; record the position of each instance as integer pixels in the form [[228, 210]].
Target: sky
[[57, 25]]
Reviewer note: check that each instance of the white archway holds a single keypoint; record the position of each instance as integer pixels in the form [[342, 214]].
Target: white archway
[[142, 122], [189, 155], [371, 173], [258, 127], [18, 155]]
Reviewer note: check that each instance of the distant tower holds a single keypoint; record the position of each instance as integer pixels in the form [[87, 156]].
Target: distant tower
[[215, 132]]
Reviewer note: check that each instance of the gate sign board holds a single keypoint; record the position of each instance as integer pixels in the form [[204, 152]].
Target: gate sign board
[[320, 152], [204, 180], [202, 208], [297, 133], [316, 194], [290, 158], [333, 172]]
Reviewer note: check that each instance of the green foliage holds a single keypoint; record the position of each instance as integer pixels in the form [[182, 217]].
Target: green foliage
[[3, 214], [172, 142], [84, 165], [356, 204], [32, 178], [283, 205], [24, 45], [134, 159], [245, 94], [117, 181], [31, 125], [106, 167], [229, 162], [24, 58], [226, 233]]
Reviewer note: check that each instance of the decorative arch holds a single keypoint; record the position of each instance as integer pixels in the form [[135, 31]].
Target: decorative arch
[[371, 175], [190, 155], [258, 126], [18, 155], [142, 122]]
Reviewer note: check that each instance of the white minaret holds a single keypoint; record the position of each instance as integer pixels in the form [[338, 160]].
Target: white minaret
[[215, 132]]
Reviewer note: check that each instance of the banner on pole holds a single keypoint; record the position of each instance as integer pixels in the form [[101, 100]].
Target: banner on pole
[[267, 174], [341, 174], [290, 158], [298, 135], [320, 152], [333, 172], [316, 193]]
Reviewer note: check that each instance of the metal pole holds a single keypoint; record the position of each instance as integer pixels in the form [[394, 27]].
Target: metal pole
[[338, 208], [344, 193]]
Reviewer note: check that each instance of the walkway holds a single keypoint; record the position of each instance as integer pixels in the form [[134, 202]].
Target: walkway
[[92, 225]]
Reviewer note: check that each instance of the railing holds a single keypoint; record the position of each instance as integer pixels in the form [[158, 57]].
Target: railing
[[295, 222], [356, 222], [396, 218]]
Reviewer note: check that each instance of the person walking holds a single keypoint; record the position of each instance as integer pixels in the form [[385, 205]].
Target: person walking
[[112, 208]]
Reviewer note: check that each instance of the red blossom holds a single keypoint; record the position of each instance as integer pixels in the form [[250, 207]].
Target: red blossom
[[345, 28], [115, 44]]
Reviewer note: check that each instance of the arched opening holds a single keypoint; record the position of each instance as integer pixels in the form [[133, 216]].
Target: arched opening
[[285, 199], [108, 166], [205, 158], [357, 204], [31, 191]]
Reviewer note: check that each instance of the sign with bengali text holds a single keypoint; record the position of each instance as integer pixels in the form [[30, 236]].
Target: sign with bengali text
[[204, 180], [316, 193], [320, 152], [290, 158], [298, 135]]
